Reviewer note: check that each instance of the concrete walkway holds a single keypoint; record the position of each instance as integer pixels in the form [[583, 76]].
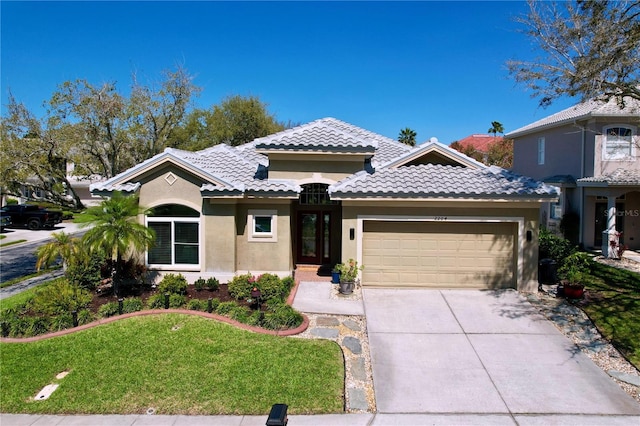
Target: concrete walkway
[[486, 356]]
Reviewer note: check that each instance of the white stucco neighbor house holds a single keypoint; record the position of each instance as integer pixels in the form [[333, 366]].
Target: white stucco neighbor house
[[327, 191]]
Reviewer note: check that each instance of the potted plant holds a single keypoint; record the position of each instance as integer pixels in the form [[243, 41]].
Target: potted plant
[[335, 274], [348, 274], [572, 274]]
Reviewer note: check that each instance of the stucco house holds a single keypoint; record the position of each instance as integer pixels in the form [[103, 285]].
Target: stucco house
[[590, 151], [327, 191]]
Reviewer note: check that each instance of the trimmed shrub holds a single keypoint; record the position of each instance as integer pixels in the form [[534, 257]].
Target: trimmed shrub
[[156, 301], [60, 297], [197, 305], [554, 247], [240, 313], [133, 304], [61, 322], [255, 318], [213, 284], [86, 271], [199, 284], [224, 308], [177, 301], [108, 310], [280, 316], [214, 304], [39, 325], [271, 287], [241, 285], [174, 284], [85, 317], [287, 284]]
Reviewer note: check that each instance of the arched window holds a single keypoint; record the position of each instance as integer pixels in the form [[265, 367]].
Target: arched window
[[314, 194], [177, 231]]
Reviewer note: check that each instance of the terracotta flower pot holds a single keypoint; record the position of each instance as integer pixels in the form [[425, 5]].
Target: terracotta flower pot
[[573, 292]]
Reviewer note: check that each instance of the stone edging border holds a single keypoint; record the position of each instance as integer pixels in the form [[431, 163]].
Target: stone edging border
[[290, 332]]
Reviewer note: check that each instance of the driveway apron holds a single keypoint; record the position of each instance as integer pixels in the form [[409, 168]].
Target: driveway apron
[[473, 351]]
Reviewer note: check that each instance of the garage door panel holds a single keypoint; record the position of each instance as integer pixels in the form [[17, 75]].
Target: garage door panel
[[435, 254]]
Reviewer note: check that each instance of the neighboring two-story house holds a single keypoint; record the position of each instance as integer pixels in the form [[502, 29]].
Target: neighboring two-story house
[[590, 151], [328, 191]]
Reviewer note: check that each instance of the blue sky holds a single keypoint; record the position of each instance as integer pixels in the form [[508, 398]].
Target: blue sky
[[436, 67]]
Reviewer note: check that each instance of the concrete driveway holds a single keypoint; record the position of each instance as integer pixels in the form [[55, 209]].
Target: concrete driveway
[[486, 353]]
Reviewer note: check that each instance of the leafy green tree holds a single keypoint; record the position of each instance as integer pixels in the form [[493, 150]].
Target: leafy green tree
[[33, 154], [468, 150], [62, 246], [589, 49], [237, 120], [407, 136], [116, 231]]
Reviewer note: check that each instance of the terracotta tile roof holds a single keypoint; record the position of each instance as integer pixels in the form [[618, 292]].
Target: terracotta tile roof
[[480, 142], [584, 110]]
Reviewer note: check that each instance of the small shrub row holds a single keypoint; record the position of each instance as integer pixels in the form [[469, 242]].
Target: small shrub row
[[15, 322], [110, 309], [270, 286], [210, 283]]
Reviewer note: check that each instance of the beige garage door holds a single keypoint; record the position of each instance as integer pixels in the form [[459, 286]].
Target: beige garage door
[[439, 254]]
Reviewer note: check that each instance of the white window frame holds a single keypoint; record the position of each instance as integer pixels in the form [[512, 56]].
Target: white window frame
[[630, 155], [173, 265], [262, 237], [541, 143]]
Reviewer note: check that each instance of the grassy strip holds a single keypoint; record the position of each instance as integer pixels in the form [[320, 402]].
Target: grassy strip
[[614, 307], [10, 243], [176, 364]]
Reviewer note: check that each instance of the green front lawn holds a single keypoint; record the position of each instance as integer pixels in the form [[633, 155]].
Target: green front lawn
[[614, 306], [175, 364]]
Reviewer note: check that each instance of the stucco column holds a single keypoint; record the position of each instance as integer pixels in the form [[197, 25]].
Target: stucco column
[[611, 227]]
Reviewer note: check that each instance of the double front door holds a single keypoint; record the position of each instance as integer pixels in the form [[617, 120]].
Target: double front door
[[314, 237]]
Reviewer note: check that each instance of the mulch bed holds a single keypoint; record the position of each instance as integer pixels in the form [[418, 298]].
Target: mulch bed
[[145, 292]]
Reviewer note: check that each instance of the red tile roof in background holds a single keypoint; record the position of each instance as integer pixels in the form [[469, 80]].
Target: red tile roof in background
[[479, 142]]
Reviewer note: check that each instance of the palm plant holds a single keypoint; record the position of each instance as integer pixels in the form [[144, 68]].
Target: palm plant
[[63, 245], [116, 231], [496, 127], [407, 136]]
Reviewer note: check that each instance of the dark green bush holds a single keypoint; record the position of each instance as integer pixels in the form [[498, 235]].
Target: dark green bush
[[197, 305], [108, 310], [214, 304], [240, 313], [177, 301], [156, 301], [133, 304], [554, 247], [281, 316], [199, 284], [241, 285], [85, 271], [224, 308], [271, 287], [255, 318], [213, 284], [174, 284], [85, 317], [61, 322], [60, 297]]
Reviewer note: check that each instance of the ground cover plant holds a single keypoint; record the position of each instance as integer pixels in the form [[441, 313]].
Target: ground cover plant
[[613, 303], [175, 364]]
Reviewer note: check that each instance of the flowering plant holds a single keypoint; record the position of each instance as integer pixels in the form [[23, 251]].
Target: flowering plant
[[349, 270]]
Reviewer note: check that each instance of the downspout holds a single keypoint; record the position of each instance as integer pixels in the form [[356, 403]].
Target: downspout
[[581, 188]]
